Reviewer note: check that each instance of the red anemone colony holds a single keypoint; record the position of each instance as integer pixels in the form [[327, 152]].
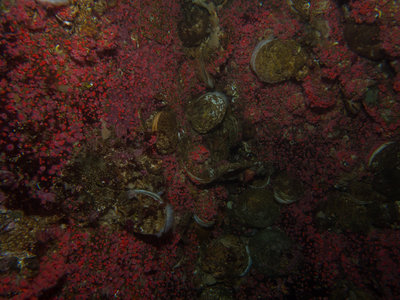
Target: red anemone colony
[[82, 85]]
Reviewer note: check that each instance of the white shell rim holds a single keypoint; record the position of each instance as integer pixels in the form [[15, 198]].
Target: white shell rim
[[202, 223], [256, 51], [377, 151], [283, 200]]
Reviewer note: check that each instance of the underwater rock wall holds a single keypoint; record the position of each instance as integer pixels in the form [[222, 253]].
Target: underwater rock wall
[[99, 98]]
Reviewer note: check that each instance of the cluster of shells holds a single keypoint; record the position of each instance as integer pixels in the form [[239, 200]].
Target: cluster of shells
[[361, 206], [218, 129]]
